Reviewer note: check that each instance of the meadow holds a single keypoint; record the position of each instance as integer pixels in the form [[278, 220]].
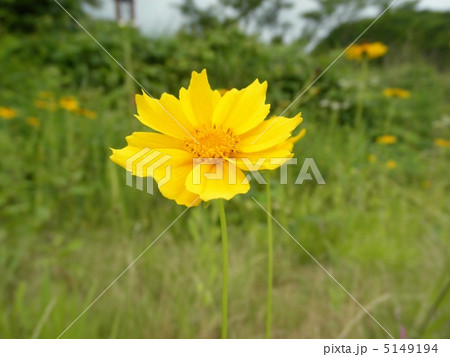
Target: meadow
[[70, 225]]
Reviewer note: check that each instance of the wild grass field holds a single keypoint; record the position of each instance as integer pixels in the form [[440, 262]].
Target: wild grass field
[[69, 225]]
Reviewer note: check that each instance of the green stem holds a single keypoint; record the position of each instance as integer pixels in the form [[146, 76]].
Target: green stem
[[334, 120], [223, 228], [433, 309], [269, 259], [128, 59], [389, 116], [360, 104]]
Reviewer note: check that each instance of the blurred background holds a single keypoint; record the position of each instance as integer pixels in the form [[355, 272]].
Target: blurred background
[[378, 128]]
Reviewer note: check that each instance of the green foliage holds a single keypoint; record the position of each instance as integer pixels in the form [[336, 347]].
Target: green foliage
[[225, 13], [38, 15], [159, 64], [331, 13], [70, 225]]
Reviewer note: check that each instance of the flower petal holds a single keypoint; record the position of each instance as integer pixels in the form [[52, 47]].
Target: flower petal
[[269, 133], [244, 109], [169, 168], [199, 100], [154, 141], [213, 181], [164, 115], [175, 188], [269, 159]]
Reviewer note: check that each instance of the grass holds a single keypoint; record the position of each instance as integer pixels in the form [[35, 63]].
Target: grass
[[70, 226]]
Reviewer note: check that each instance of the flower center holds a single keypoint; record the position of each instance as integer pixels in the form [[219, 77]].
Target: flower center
[[212, 142]]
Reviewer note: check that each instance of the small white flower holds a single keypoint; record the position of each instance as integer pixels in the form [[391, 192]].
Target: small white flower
[[324, 103]]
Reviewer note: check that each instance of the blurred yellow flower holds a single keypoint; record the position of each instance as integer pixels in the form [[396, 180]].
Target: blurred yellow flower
[[7, 113], [391, 164], [208, 140], [376, 49], [33, 121], [69, 103], [369, 50], [42, 104], [442, 143], [386, 139], [45, 95], [372, 158], [396, 92], [86, 113], [314, 90]]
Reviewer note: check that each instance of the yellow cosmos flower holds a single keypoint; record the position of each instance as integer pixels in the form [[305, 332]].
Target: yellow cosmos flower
[[391, 164], [386, 139], [442, 143], [69, 103], [368, 50], [376, 49], [7, 113], [33, 121], [202, 128], [396, 92]]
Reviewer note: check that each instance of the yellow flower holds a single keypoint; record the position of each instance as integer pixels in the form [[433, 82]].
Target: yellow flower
[[386, 139], [372, 158], [45, 95], [40, 104], [396, 92], [7, 113], [69, 103], [376, 49], [391, 164], [354, 52], [204, 134], [86, 113], [33, 121], [442, 143], [45, 105], [369, 50]]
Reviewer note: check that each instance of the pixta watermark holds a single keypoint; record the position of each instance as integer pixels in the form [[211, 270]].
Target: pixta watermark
[[153, 164]]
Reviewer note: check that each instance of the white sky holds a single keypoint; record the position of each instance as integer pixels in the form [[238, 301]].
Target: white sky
[[162, 16]]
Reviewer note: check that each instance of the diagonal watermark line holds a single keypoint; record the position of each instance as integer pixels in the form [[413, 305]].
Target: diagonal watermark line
[[127, 268], [131, 76], [320, 265], [325, 70]]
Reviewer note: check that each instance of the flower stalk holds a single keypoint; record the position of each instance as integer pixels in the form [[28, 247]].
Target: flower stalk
[[269, 258], [389, 116], [223, 229], [360, 103]]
